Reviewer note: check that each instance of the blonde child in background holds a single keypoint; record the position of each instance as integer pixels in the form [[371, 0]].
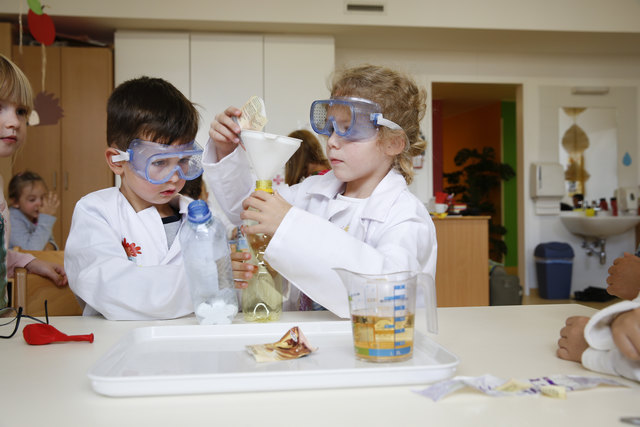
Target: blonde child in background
[[32, 212], [123, 254], [16, 104], [361, 215]]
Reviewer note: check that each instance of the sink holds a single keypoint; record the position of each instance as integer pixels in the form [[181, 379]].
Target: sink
[[599, 227]]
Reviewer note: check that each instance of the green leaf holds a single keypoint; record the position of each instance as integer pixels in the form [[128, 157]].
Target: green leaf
[[35, 6]]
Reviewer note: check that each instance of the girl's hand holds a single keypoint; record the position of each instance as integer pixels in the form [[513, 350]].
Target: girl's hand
[[47, 269], [625, 329], [270, 211], [224, 132], [572, 343], [242, 270], [50, 204]]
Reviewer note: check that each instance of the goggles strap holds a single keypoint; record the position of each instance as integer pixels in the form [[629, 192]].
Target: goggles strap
[[379, 120], [120, 157]]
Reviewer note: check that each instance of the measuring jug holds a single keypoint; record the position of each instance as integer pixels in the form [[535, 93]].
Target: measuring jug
[[383, 308]]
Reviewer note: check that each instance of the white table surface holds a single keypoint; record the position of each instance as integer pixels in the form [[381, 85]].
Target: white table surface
[[48, 385]]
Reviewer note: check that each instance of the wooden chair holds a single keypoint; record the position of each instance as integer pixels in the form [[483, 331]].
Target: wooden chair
[[29, 291]]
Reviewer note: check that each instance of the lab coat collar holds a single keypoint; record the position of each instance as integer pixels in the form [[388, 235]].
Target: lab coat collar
[[377, 205]]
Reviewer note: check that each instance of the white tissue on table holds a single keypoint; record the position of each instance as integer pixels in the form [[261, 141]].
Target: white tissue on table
[[216, 313]]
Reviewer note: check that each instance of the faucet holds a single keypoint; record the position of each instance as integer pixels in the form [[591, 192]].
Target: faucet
[[592, 248]]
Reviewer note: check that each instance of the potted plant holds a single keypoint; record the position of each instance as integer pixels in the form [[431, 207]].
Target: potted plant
[[472, 185]]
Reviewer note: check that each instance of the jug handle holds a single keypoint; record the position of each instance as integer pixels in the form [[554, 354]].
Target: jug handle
[[430, 301]]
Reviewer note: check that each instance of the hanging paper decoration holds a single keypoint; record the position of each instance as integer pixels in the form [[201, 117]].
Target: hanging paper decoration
[[41, 27], [48, 107], [626, 159]]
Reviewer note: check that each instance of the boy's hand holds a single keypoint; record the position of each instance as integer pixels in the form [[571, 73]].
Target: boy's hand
[[47, 269], [50, 204], [242, 271], [572, 344], [270, 211], [224, 132], [624, 277], [626, 333]]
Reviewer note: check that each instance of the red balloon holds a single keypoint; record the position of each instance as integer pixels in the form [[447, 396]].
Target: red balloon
[[41, 28]]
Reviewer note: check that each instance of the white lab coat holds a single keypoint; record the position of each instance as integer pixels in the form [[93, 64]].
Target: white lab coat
[[602, 354], [395, 231], [150, 283]]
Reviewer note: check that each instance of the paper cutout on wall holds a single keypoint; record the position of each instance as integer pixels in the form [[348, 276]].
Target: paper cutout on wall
[[48, 108], [626, 159], [41, 27], [35, 6]]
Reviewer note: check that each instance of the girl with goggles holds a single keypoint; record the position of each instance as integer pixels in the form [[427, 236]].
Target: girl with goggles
[[354, 119], [361, 214], [158, 162]]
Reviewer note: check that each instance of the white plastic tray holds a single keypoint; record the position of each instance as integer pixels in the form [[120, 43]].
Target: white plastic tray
[[210, 359]]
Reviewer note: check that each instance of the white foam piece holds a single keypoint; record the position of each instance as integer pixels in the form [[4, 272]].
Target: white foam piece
[[268, 152]]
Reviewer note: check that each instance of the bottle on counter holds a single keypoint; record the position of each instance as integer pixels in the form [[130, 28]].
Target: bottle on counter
[[614, 206], [207, 262], [603, 204]]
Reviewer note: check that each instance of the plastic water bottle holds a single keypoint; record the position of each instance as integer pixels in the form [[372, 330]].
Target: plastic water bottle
[[207, 263]]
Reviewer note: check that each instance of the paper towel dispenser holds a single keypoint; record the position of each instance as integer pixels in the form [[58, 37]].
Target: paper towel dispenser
[[547, 180]]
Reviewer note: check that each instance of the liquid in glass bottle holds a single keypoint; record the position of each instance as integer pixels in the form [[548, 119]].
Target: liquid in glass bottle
[[262, 299]]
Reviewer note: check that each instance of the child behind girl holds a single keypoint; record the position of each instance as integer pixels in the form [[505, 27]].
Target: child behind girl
[[16, 103], [32, 212], [361, 215]]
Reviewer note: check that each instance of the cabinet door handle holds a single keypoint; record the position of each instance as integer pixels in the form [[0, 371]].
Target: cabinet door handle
[[55, 181], [66, 181]]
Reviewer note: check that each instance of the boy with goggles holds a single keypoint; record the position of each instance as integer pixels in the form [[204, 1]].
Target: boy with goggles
[[157, 163], [123, 255], [360, 215]]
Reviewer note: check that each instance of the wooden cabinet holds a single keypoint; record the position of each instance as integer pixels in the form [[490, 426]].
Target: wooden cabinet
[[69, 155], [462, 272]]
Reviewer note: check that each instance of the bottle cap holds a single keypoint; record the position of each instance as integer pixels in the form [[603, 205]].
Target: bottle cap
[[198, 212]]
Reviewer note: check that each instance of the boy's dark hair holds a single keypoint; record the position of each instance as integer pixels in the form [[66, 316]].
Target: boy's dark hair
[[151, 108], [21, 180]]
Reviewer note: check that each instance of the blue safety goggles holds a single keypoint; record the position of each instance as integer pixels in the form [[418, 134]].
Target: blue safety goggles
[[157, 163], [354, 119]]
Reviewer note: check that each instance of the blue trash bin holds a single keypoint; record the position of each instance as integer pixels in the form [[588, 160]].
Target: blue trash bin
[[554, 265]]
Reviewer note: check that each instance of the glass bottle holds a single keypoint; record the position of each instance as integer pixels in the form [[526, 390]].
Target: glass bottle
[[262, 299]]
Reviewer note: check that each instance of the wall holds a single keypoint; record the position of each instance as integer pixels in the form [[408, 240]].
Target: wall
[[533, 72], [565, 15]]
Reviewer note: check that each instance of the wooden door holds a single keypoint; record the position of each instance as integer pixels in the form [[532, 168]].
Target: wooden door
[[41, 152], [86, 80]]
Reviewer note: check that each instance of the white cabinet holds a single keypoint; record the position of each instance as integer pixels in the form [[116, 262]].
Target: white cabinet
[[153, 54], [225, 70], [221, 69]]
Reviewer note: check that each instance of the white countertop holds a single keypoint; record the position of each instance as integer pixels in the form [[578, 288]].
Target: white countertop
[[48, 385]]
